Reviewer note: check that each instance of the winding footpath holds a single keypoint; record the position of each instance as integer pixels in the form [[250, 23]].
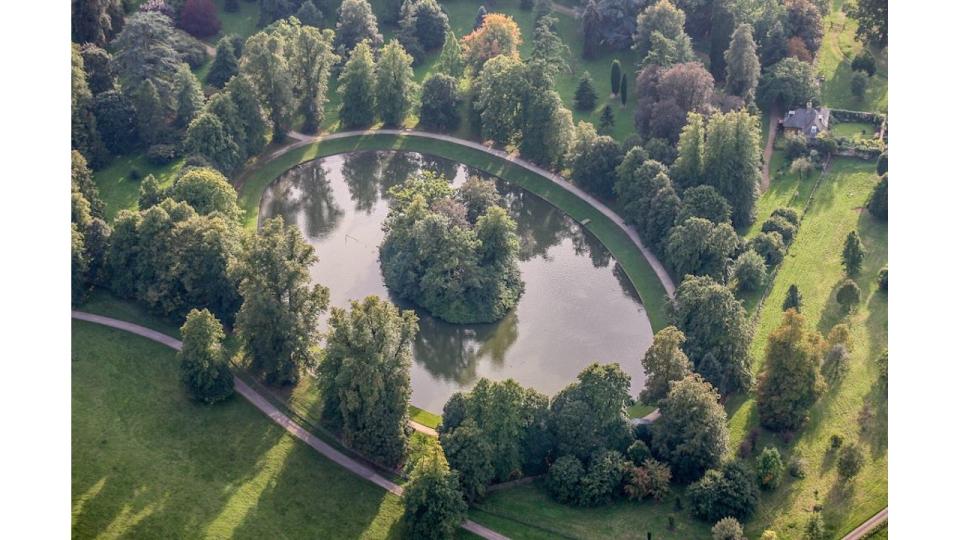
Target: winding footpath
[[665, 280], [280, 418]]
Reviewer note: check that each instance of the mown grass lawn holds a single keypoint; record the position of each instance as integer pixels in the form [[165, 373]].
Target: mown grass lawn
[[833, 64], [527, 512], [642, 276], [813, 264], [787, 189], [119, 181], [148, 462], [242, 22]]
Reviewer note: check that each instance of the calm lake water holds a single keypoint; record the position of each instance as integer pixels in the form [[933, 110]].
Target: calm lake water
[[578, 306]]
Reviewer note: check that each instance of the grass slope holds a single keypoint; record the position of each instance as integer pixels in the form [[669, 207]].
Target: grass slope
[[613, 238], [814, 265], [833, 63], [119, 181], [527, 512], [148, 462]]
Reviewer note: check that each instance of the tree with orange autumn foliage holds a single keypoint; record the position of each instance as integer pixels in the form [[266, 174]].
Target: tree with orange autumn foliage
[[499, 34]]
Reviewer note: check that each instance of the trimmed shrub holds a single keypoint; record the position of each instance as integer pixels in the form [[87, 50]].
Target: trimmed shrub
[[731, 491], [781, 225], [769, 246], [602, 481], [789, 214], [848, 295], [750, 271]]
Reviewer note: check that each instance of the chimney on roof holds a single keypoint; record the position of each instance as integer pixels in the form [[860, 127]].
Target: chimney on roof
[[809, 105]]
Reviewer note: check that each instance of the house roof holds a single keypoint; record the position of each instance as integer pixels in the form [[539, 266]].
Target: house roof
[[809, 120]]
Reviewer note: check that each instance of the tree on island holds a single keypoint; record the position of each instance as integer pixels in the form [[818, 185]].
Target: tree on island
[[461, 271]]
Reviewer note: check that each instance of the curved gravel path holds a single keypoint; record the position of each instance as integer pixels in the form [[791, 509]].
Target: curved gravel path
[[280, 418], [665, 280]]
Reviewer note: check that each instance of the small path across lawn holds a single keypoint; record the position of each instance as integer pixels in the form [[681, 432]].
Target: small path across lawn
[[280, 418], [665, 280], [768, 149]]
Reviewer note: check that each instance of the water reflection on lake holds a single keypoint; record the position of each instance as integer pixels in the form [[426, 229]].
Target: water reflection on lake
[[577, 307]]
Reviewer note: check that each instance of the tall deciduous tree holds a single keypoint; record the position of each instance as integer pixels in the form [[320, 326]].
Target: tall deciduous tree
[[687, 169], [872, 18], [471, 455], [311, 59], [394, 86], [264, 64], [244, 96], [790, 383], [503, 86], [717, 330], [355, 23], [667, 20], [204, 367], [691, 434], [743, 65], [356, 88], [440, 102], [877, 204], [365, 376], [206, 191], [588, 415], [84, 136], [789, 83], [499, 34], [595, 168], [433, 505], [207, 137], [278, 318], [664, 362], [700, 247], [732, 155]]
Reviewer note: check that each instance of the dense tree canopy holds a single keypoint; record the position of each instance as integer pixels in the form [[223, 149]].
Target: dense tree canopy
[[433, 505], [717, 330], [512, 421], [660, 38], [691, 434], [278, 318], [95, 21], [173, 259], [789, 84], [700, 247], [365, 376], [460, 271], [588, 415], [594, 168], [730, 491], [872, 21]]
